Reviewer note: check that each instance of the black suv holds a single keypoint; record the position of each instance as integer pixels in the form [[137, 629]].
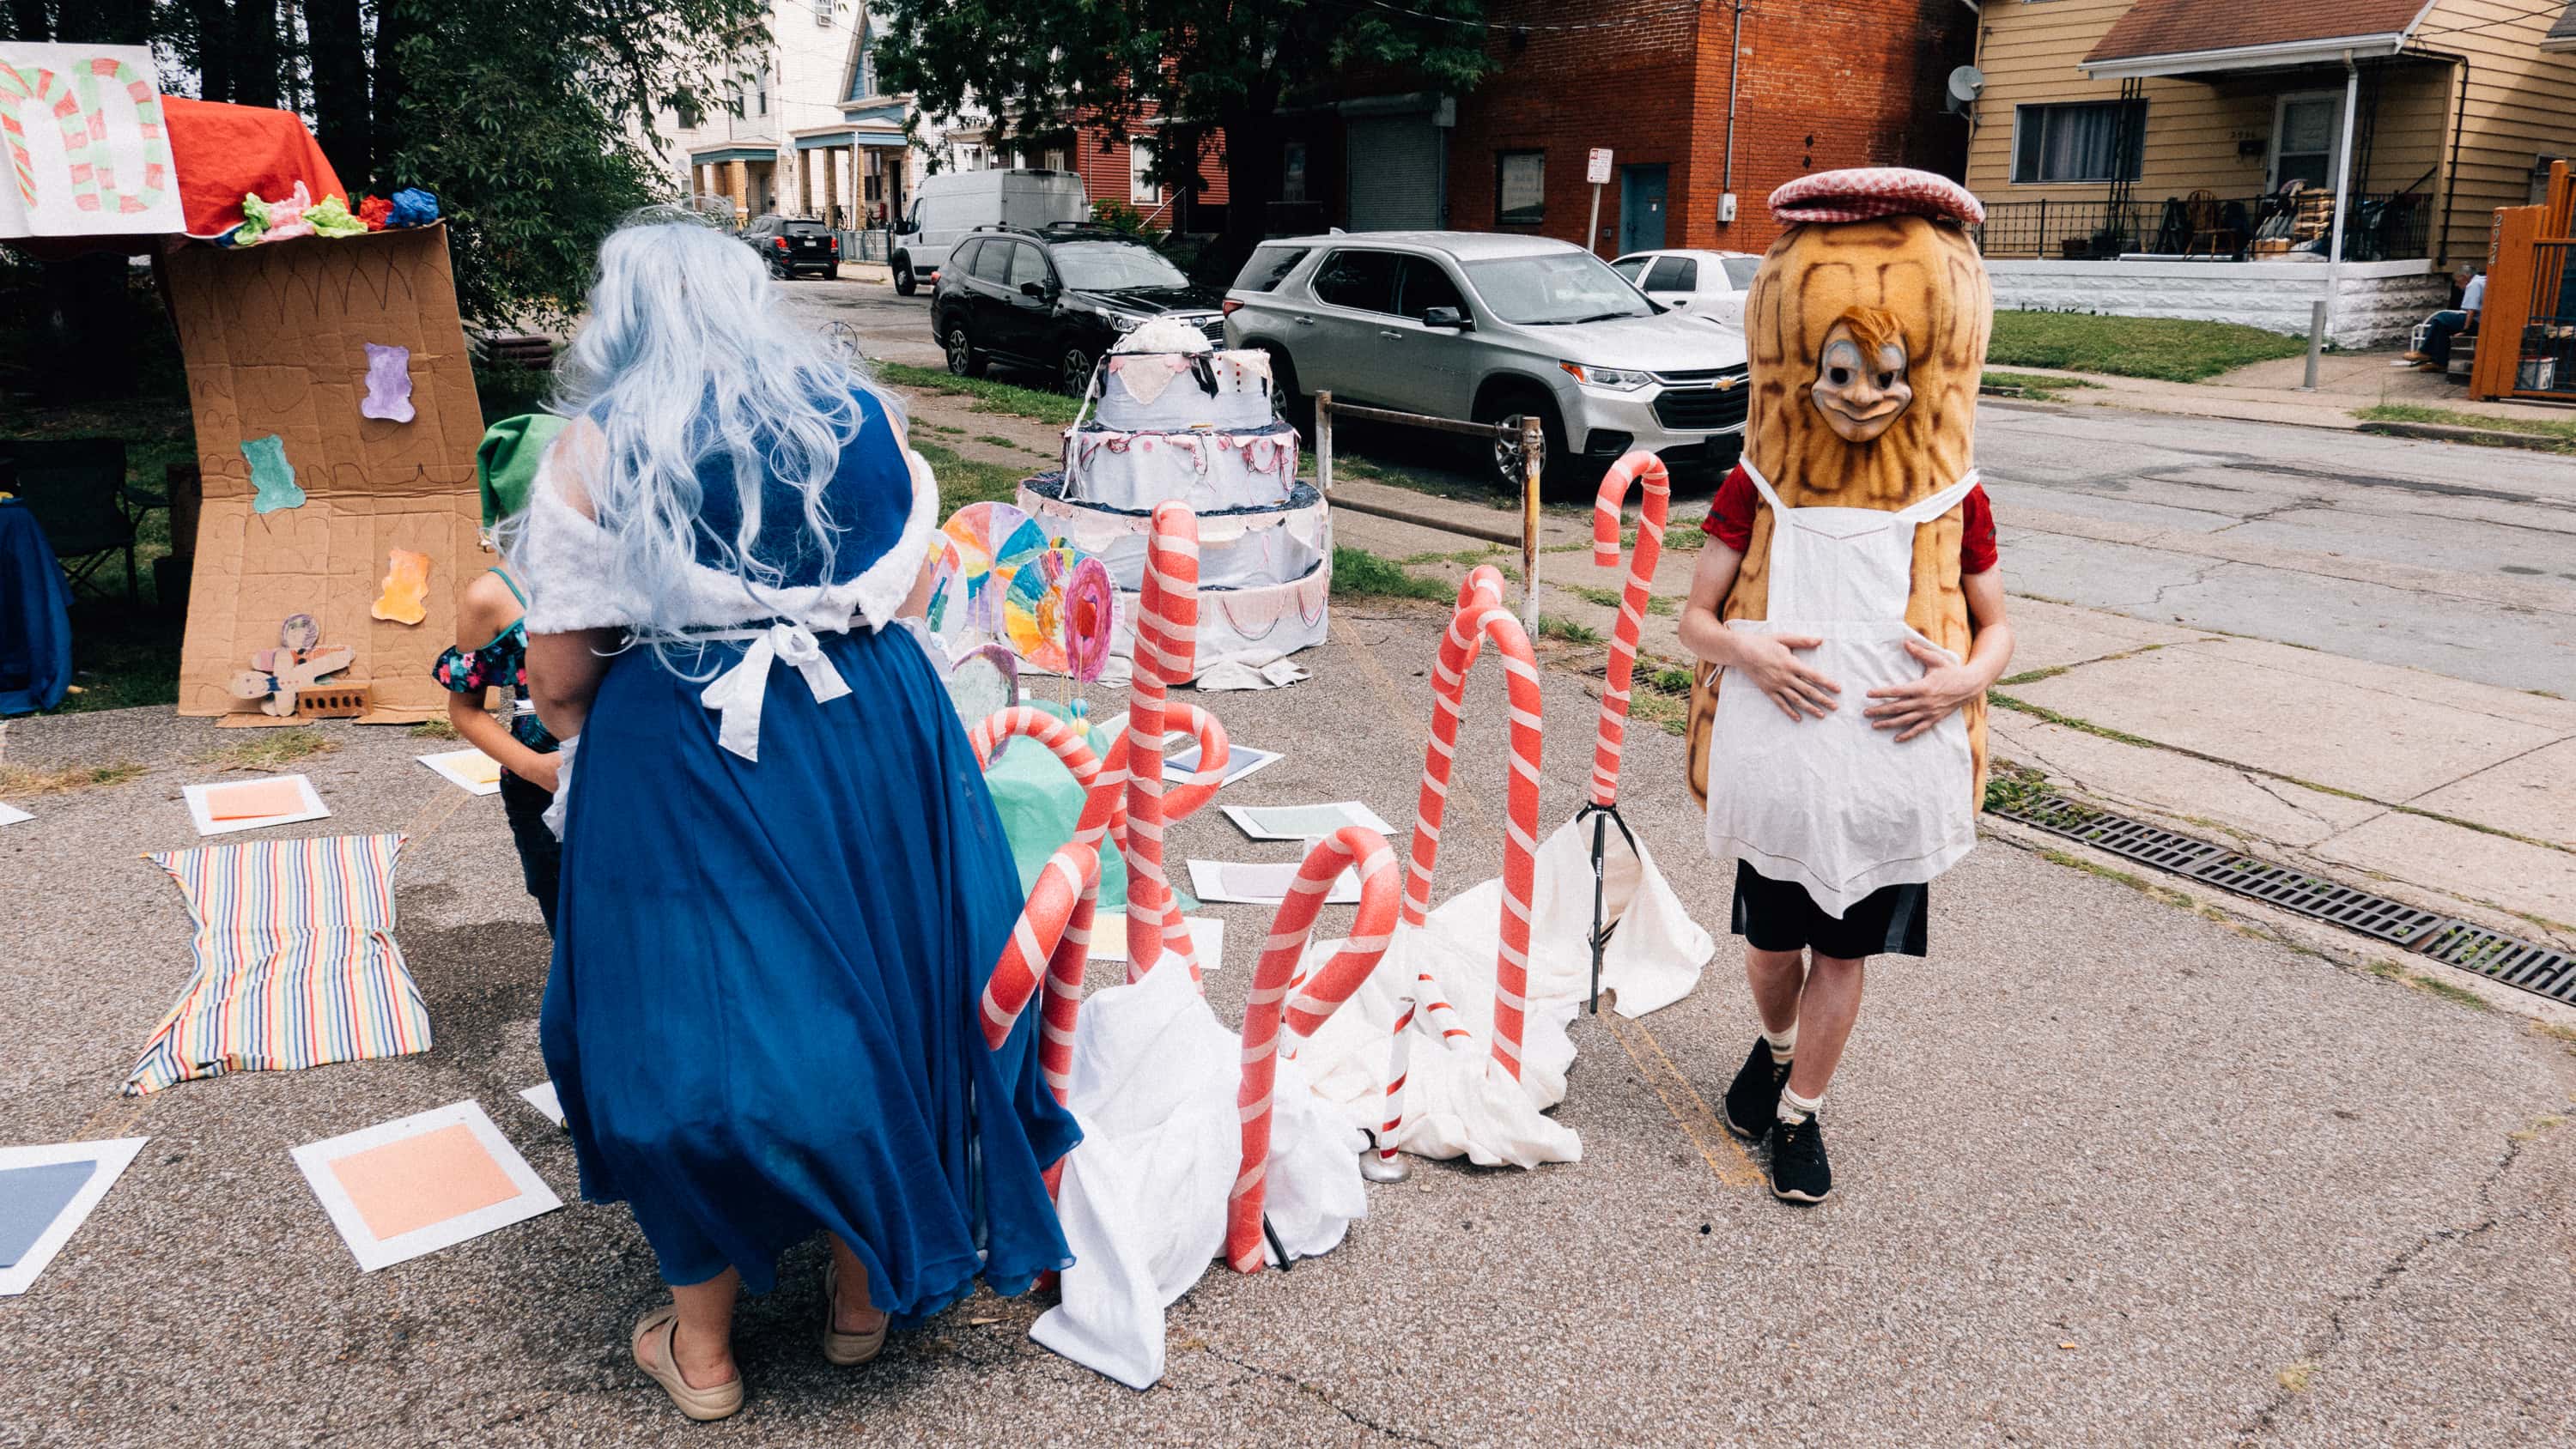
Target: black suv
[[1057, 299], [792, 244]]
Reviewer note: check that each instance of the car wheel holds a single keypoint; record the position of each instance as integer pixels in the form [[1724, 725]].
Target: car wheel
[[1073, 371], [1503, 457], [963, 359], [1286, 402], [903, 279], [832, 273]]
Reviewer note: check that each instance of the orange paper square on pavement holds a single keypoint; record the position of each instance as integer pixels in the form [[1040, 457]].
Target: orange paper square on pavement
[[255, 799], [421, 1180]]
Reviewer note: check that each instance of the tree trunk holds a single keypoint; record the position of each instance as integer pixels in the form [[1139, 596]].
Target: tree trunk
[[1252, 141], [214, 22], [340, 116], [105, 22], [395, 23], [29, 22], [255, 52]]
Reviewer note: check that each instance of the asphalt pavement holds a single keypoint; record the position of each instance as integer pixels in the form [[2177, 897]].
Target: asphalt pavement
[[2110, 1173]]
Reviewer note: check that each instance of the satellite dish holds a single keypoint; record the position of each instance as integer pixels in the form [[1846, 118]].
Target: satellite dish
[[1965, 82]]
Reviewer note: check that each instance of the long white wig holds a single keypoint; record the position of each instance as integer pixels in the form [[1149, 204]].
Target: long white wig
[[688, 355]]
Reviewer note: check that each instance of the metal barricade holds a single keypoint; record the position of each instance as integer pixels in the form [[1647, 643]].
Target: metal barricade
[[1530, 433]]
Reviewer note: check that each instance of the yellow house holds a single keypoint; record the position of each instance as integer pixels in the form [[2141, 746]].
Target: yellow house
[[2156, 137]]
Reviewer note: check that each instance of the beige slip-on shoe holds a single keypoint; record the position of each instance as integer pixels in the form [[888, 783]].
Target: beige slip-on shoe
[[721, 1402], [846, 1350]]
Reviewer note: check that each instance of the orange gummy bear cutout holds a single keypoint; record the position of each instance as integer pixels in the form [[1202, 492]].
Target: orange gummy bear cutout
[[406, 588]]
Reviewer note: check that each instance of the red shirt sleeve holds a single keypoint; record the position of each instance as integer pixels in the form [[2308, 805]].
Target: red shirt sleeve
[[1730, 514], [1730, 521], [1977, 551]]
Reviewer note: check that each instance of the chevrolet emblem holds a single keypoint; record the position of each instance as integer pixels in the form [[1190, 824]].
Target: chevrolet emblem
[[1727, 384]]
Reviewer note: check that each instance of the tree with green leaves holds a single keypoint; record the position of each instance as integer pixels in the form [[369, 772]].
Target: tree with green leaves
[[530, 120], [1226, 66]]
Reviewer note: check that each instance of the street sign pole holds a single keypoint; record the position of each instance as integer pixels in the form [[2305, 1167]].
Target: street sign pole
[[1597, 171]]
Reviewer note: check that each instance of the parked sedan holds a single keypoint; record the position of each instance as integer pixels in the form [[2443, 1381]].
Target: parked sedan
[[1484, 327], [1706, 284], [793, 244], [1056, 299]]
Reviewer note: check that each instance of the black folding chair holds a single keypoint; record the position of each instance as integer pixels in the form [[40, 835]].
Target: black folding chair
[[76, 489]]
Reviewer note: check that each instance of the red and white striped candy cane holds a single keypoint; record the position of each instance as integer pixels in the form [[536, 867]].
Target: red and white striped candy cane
[[1167, 626], [1632, 603], [1480, 616], [1270, 1006], [1055, 928]]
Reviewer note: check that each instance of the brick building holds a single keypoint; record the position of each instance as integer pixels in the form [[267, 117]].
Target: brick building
[[1815, 85]]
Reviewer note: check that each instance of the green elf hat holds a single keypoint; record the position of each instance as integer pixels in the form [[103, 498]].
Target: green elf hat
[[506, 465]]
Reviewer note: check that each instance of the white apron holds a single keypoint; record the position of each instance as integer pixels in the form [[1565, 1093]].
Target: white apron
[[1834, 804]]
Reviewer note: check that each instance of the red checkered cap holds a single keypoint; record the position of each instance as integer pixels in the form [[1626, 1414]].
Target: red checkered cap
[[1864, 192]]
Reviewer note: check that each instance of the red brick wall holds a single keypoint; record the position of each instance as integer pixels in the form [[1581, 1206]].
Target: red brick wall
[[1826, 84], [1104, 161]]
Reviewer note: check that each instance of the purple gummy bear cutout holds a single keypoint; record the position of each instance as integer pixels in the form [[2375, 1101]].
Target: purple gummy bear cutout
[[388, 384]]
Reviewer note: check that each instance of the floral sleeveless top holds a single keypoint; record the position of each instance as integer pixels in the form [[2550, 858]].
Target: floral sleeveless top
[[504, 662]]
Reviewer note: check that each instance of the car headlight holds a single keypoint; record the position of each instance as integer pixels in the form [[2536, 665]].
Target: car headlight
[[1124, 322], [1617, 379]]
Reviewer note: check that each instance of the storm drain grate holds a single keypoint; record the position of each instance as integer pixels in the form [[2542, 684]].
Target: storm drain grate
[[2492, 954], [2133, 839], [2296, 890], [2541, 970]]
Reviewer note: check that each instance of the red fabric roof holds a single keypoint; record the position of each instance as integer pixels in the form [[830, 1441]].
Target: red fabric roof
[[222, 152], [2172, 27]]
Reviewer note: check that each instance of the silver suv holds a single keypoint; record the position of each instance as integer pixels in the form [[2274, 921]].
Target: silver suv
[[1474, 325]]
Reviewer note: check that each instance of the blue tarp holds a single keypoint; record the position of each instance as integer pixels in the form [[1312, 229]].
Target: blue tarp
[[35, 617]]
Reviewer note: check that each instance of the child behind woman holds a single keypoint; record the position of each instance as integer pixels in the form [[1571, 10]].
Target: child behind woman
[[492, 649]]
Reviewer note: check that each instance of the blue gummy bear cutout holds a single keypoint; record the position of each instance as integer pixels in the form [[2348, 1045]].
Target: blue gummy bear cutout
[[271, 474]]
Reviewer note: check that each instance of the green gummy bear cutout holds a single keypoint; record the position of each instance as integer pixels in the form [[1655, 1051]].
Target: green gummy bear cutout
[[271, 474]]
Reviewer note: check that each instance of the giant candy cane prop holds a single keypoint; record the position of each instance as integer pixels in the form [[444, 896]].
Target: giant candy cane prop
[[1479, 616], [1613, 734], [1316, 1000], [1055, 928], [1167, 626]]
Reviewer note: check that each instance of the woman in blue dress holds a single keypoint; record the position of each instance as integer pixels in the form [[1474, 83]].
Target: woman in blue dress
[[783, 882]]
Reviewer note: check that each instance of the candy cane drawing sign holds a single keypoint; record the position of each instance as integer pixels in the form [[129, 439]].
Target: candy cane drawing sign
[[88, 153]]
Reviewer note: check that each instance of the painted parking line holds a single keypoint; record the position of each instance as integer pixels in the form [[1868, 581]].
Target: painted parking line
[[1717, 1147]]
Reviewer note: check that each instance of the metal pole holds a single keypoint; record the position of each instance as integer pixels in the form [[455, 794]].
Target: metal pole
[[1533, 469], [1592, 228], [2343, 181], [1324, 440], [2316, 342]]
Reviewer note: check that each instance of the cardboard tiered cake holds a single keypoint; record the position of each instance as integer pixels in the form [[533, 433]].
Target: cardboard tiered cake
[[1195, 426]]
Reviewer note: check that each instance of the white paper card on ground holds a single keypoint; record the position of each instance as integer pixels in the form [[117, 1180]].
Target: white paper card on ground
[[1260, 884], [108, 1161], [205, 800], [542, 1097], [89, 149], [468, 769], [1207, 937], [444, 1175], [1240, 760], [11, 815], [1303, 822]]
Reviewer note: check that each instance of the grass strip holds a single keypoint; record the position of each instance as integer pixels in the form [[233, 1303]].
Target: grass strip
[[2561, 430], [2168, 348], [21, 782], [989, 396], [270, 749]]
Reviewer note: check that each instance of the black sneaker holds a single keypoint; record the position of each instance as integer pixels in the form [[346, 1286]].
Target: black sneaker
[[1754, 1095], [1799, 1172]]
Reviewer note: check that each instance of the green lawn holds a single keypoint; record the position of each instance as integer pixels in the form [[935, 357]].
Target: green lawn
[[1358, 573], [2035, 387], [2561, 429], [990, 396], [2159, 347]]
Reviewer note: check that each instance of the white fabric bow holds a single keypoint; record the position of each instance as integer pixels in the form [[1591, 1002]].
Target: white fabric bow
[[737, 693]]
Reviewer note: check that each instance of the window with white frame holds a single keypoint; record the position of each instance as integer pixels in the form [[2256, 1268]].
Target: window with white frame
[[2085, 142], [822, 12], [2307, 130], [1142, 188], [1520, 188]]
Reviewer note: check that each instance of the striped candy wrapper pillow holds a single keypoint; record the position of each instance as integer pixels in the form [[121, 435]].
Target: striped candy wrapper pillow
[[295, 961]]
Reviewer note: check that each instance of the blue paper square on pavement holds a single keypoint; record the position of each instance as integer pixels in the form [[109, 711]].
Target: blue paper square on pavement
[[31, 1198]]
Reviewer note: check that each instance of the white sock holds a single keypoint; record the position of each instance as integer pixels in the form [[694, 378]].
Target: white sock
[[1784, 1044], [1795, 1109]]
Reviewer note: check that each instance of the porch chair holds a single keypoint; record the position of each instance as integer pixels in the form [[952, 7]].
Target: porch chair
[[2209, 228], [76, 489]]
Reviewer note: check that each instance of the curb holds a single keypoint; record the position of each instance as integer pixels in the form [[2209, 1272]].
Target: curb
[[2484, 437]]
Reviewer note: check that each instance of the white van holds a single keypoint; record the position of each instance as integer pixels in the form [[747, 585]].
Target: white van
[[953, 203]]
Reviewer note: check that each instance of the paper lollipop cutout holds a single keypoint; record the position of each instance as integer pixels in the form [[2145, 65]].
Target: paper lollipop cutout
[[984, 683], [1033, 608], [388, 384], [990, 541], [1090, 615], [271, 474], [405, 600]]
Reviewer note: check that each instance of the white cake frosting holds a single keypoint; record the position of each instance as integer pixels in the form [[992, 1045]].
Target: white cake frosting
[[1240, 548], [1174, 391], [1207, 468]]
